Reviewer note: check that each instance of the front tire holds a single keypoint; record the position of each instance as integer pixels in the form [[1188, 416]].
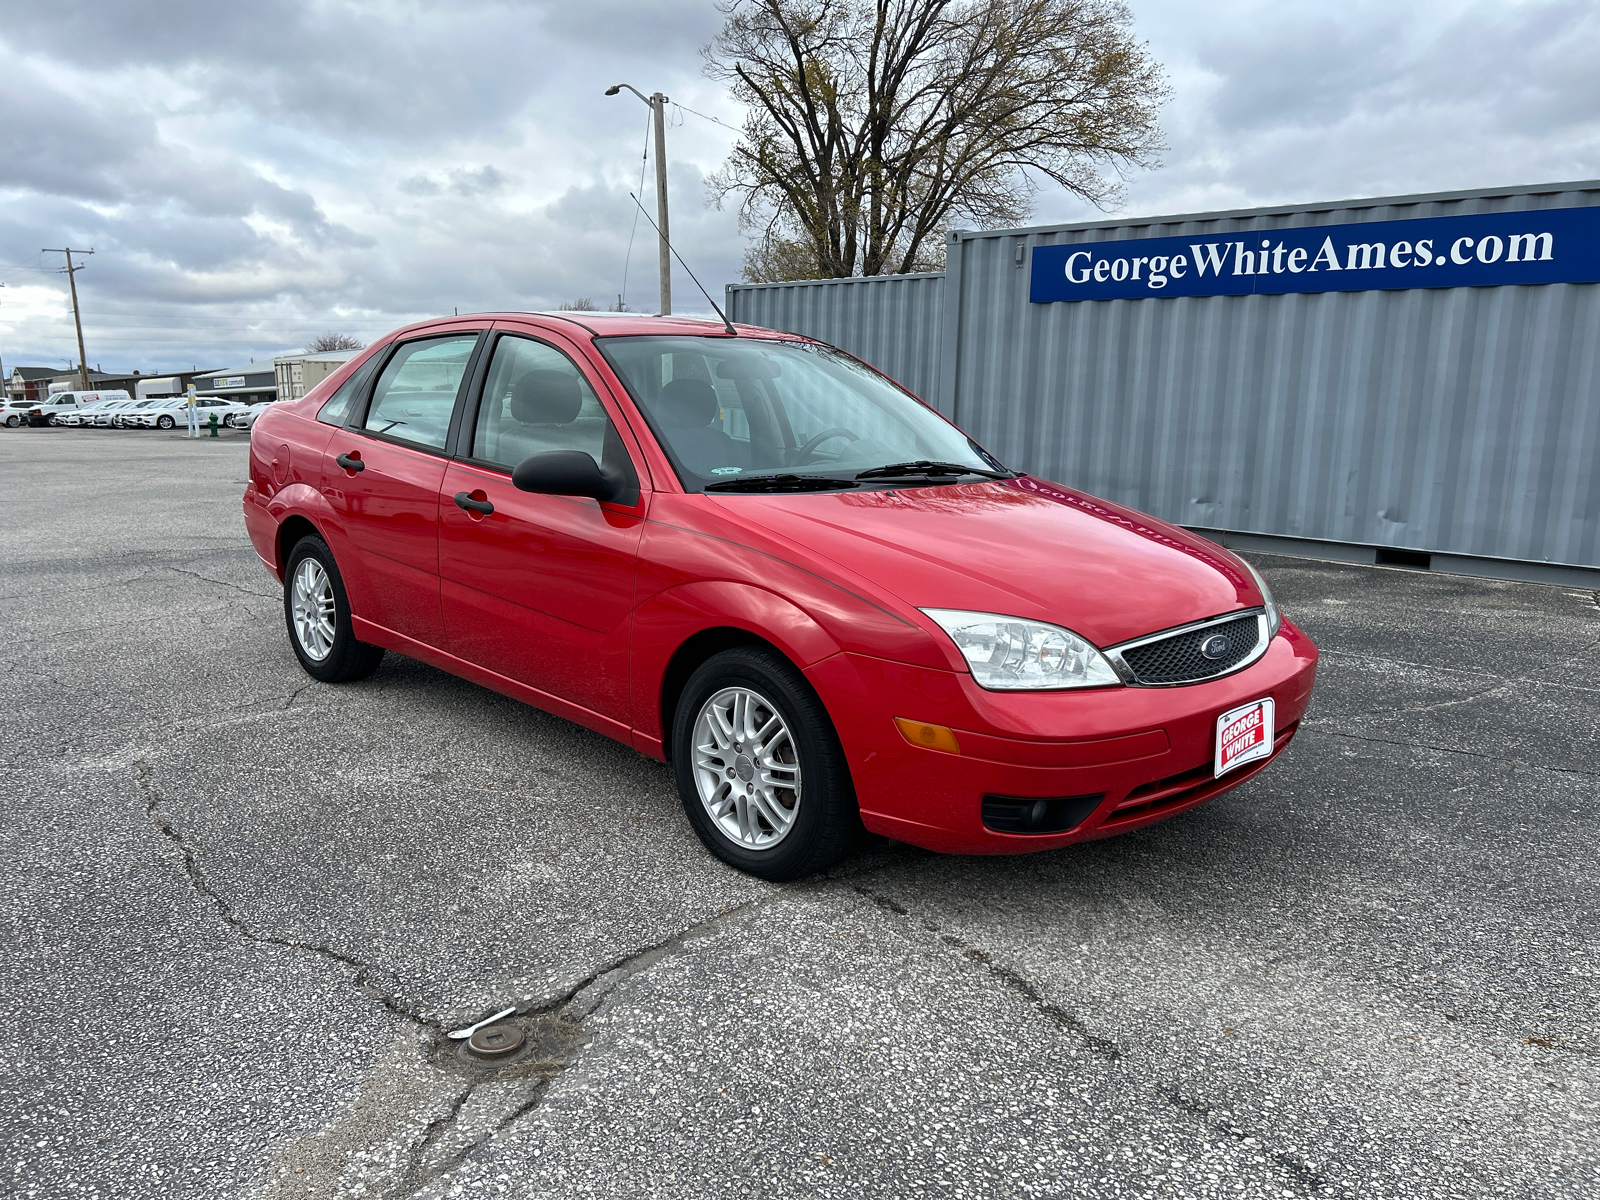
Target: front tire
[[759, 767], [318, 615], [165, 422]]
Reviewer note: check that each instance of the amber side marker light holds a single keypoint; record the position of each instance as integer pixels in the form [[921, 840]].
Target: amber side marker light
[[929, 737]]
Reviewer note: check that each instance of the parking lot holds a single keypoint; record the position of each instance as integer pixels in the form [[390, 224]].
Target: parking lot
[[242, 908]]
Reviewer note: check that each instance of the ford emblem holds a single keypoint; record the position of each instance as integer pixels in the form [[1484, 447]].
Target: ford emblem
[[1215, 647]]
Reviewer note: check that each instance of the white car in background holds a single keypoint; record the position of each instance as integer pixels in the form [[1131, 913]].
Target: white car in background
[[169, 413], [64, 408], [224, 410], [248, 418], [124, 418], [17, 412], [102, 415], [161, 414]]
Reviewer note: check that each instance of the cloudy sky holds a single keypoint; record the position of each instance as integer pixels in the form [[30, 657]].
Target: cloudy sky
[[251, 174]]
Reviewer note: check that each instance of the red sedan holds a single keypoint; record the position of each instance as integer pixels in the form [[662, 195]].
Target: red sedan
[[754, 557]]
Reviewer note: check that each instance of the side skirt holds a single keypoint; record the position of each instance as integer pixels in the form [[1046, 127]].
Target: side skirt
[[377, 635]]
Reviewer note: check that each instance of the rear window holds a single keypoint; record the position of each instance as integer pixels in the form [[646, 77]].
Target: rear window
[[337, 407], [416, 393]]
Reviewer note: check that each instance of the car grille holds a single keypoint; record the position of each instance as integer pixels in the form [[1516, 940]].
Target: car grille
[[1178, 659]]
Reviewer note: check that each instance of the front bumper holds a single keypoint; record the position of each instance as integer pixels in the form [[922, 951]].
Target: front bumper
[[1146, 752]]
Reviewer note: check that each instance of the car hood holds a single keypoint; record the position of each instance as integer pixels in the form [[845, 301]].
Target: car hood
[[1021, 547]]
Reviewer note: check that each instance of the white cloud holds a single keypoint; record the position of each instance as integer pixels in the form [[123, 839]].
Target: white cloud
[[250, 175], [1305, 102]]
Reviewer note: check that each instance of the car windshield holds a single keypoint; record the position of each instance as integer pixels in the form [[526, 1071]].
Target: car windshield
[[762, 415]]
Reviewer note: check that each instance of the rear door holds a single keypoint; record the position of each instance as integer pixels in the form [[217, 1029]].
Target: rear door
[[539, 589], [382, 472]]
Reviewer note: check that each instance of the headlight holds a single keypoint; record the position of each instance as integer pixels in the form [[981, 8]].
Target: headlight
[[1274, 615], [1009, 654]]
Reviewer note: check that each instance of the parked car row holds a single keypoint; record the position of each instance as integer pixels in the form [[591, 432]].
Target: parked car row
[[118, 410]]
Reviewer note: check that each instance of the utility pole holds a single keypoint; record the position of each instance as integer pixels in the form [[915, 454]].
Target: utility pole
[[658, 106], [77, 318], [5, 388]]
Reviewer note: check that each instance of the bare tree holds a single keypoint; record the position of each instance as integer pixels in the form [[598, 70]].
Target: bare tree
[[875, 125], [581, 304], [324, 342]]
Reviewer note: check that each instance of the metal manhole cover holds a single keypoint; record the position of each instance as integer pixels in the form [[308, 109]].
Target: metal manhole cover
[[494, 1041]]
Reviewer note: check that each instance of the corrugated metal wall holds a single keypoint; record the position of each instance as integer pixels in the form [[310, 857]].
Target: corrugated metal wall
[[1460, 421], [890, 321]]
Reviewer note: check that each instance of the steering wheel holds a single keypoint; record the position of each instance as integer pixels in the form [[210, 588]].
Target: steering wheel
[[805, 451]]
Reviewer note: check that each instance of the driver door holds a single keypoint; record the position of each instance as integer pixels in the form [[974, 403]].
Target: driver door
[[539, 589]]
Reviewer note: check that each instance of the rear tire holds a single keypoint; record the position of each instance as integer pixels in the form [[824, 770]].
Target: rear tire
[[317, 612], [13, 422], [760, 770]]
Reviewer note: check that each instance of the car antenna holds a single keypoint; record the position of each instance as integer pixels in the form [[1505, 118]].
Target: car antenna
[[726, 324]]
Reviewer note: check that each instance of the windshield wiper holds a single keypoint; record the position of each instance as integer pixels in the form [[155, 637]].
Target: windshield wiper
[[923, 466], [780, 483]]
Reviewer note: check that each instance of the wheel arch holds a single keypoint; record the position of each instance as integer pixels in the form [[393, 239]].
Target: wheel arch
[[686, 660], [289, 533]]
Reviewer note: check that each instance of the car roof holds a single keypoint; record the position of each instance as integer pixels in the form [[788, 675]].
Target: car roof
[[607, 324]]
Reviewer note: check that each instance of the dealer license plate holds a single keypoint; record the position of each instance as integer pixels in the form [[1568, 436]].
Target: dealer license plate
[[1244, 734]]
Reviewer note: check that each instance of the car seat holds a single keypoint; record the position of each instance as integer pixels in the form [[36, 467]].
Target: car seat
[[687, 408], [543, 411]]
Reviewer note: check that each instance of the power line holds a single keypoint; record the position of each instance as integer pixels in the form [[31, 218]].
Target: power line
[[644, 161], [704, 117]]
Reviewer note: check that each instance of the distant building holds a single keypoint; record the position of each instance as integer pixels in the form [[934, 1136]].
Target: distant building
[[297, 374], [154, 387], [30, 383], [252, 383], [71, 381]]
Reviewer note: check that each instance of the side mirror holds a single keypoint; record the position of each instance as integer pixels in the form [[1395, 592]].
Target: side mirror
[[562, 473]]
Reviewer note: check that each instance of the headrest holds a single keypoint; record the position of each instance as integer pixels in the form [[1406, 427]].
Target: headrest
[[546, 398], [687, 404]]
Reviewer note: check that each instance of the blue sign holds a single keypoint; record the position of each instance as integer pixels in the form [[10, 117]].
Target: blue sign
[[1556, 245]]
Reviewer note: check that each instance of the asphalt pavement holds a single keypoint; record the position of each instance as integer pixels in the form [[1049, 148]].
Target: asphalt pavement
[[241, 908]]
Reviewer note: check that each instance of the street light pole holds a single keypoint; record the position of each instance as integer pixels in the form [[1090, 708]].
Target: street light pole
[[658, 106]]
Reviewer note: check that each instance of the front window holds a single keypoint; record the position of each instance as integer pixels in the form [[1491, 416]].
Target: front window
[[749, 415], [536, 401]]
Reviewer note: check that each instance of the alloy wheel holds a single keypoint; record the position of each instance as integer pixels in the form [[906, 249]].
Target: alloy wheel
[[746, 768], [313, 606]]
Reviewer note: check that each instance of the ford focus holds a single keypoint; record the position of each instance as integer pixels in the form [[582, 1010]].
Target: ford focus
[[750, 555]]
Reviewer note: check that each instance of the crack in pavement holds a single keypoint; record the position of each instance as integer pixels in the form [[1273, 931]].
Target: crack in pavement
[[197, 881], [1298, 1169], [1512, 682], [1307, 727], [561, 1017], [564, 1012], [222, 583], [1012, 979]]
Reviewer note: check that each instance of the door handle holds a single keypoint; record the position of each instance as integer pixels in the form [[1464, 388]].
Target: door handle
[[465, 501], [351, 462]]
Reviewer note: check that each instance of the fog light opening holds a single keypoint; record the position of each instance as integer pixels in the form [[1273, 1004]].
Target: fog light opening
[[1038, 814]]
